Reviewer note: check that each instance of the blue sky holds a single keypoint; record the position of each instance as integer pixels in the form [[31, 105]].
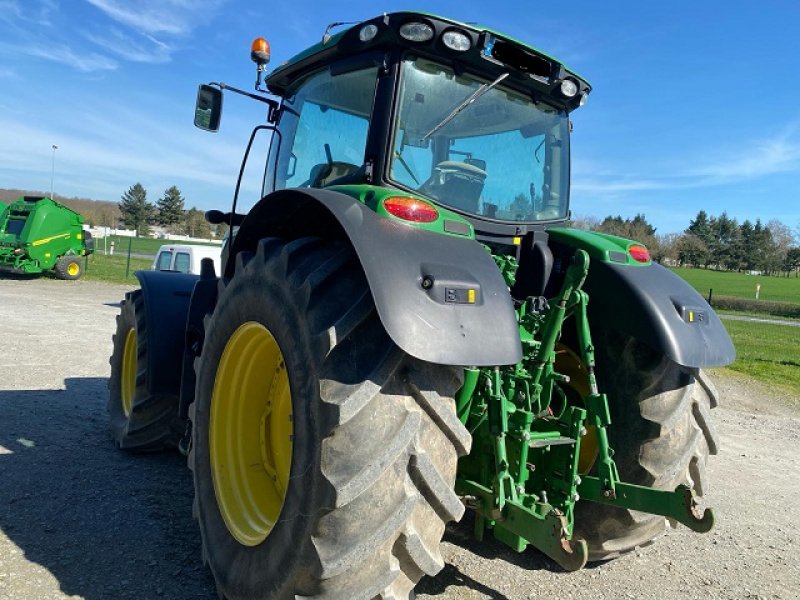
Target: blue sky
[[696, 104]]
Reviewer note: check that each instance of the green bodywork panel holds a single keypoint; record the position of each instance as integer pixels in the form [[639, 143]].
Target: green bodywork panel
[[374, 196], [36, 232], [602, 247]]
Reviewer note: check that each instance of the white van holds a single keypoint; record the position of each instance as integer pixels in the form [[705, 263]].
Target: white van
[[186, 258]]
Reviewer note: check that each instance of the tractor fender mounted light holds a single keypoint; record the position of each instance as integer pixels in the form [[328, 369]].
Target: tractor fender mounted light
[[569, 88], [584, 98], [411, 209], [639, 253], [259, 52], [416, 32], [368, 32], [456, 40]]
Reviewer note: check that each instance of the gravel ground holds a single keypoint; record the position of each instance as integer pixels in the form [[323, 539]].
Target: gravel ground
[[79, 519]]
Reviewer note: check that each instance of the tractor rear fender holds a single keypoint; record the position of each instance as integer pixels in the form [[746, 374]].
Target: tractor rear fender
[[660, 309], [420, 280], [166, 304]]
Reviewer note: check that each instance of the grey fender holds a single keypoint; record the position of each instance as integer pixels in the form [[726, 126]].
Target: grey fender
[[659, 308], [436, 324], [166, 305]]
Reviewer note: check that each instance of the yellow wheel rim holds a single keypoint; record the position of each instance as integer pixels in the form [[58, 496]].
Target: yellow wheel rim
[[570, 364], [250, 433], [73, 269], [129, 371]]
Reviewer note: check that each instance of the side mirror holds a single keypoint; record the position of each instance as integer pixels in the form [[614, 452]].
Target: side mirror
[[208, 109]]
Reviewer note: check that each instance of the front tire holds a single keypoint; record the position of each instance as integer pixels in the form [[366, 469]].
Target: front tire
[[661, 433], [375, 437]]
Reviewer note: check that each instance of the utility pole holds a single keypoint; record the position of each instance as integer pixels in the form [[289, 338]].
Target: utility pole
[[53, 172]]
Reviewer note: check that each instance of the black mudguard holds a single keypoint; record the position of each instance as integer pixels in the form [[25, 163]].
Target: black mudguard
[[166, 303], [436, 324], [660, 309]]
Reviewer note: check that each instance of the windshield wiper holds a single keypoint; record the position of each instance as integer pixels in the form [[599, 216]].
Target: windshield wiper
[[403, 162], [470, 99]]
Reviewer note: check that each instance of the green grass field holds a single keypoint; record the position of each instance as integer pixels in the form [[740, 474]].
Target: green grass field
[[724, 283], [148, 246], [112, 268], [768, 353]]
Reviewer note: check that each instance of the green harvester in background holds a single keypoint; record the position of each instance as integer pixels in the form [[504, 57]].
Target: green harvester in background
[[38, 234]]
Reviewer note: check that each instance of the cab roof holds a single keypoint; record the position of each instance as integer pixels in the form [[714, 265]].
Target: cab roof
[[490, 53]]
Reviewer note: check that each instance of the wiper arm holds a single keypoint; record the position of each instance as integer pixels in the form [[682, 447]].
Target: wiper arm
[[403, 162], [472, 97]]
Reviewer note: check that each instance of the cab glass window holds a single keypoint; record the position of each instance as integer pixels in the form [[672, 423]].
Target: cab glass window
[[479, 147], [324, 126]]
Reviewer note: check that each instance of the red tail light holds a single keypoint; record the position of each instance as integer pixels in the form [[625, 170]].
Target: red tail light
[[411, 209], [639, 253]]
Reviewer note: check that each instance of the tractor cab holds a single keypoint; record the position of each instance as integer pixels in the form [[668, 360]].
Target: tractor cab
[[451, 114]]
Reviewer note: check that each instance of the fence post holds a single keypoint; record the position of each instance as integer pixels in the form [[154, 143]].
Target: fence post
[[128, 267], [710, 294]]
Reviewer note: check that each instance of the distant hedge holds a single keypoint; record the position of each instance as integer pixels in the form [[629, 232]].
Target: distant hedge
[[778, 309]]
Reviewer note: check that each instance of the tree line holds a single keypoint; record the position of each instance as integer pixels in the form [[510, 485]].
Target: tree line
[[712, 242], [168, 211]]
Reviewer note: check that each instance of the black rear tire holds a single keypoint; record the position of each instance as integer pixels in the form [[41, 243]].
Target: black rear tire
[[68, 267], [661, 434], [140, 421], [375, 440]]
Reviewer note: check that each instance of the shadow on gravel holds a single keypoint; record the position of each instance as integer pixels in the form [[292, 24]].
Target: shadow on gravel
[[106, 524], [112, 525], [14, 276]]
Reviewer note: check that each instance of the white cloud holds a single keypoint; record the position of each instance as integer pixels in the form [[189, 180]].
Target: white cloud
[[103, 155], [145, 50], [44, 10], [764, 157], [750, 160], [9, 10], [174, 17], [611, 185], [39, 12], [61, 53]]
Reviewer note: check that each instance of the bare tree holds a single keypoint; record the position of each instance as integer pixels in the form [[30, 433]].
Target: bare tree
[[666, 248], [782, 242], [586, 222]]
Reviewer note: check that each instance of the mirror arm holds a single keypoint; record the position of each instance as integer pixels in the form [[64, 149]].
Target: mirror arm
[[273, 105]]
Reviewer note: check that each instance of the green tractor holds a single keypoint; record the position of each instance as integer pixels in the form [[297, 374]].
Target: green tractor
[[402, 330]]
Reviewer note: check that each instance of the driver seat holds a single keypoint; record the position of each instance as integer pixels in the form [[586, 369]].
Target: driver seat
[[456, 184], [324, 174]]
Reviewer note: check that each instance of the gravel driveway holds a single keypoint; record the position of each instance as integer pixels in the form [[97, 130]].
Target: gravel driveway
[[79, 519]]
